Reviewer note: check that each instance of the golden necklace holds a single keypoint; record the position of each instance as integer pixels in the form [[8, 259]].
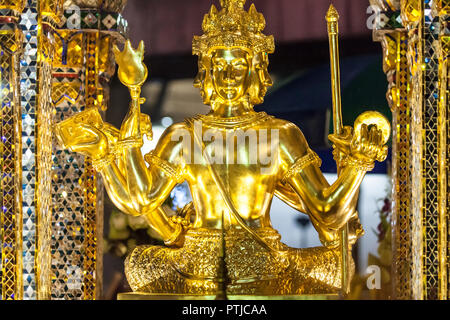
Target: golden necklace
[[231, 123]]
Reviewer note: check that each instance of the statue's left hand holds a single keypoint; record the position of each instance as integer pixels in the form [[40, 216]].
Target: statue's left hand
[[368, 145], [355, 229], [371, 133]]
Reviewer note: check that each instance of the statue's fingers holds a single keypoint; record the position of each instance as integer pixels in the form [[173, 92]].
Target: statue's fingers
[[347, 131], [382, 155], [377, 139], [369, 135], [373, 135], [364, 133], [380, 138]]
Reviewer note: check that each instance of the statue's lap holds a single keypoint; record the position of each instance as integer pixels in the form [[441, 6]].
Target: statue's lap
[[197, 267]]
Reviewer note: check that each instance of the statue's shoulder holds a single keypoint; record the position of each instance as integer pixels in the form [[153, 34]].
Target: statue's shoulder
[[291, 136], [283, 125], [174, 133], [176, 127]]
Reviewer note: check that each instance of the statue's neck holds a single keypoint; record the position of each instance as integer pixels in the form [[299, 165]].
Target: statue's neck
[[222, 109]]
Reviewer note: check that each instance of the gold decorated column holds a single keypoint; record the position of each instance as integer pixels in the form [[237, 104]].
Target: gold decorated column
[[418, 49], [27, 40], [83, 67], [394, 40], [420, 150], [10, 244], [429, 155]]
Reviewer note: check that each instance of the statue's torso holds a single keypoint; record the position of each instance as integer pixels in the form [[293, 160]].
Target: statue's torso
[[249, 173]]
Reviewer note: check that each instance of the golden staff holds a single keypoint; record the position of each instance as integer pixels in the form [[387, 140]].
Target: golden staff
[[332, 18]]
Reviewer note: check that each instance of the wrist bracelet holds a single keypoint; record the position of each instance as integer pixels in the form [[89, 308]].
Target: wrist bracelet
[[358, 164], [170, 170], [100, 164], [124, 144], [130, 143], [331, 244], [310, 158]]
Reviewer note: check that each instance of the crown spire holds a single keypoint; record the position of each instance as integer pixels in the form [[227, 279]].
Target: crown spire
[[232, 26], [232, 3]]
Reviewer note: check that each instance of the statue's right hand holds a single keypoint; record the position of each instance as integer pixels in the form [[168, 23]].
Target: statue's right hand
[[81, 133], [91, 142]]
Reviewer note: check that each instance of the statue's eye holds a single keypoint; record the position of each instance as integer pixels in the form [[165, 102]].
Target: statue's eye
[[219, 63], [239, 64]]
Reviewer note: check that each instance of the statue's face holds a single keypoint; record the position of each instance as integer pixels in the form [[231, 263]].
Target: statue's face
[[230, 73], [203, 78], [261, 79], [261, 64]]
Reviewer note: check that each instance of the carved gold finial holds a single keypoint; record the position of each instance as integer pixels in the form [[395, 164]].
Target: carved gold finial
[[132, 71], [232, 26], [332, 14], [232, 3]]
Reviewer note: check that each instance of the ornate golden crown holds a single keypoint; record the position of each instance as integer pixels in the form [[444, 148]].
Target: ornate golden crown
[[233, 27]]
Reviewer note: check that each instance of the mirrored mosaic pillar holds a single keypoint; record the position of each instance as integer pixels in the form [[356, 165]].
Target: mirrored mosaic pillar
[[26, 145], [393, 37], [83, 66], [416, 64], [10, 220], [426, 23], [420, 147]]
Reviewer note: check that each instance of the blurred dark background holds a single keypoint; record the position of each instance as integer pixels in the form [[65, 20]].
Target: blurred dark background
[[299, 67]]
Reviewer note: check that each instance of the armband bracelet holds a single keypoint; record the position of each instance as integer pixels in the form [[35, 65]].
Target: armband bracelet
[[165, 166], [128, 143], [301, 163]]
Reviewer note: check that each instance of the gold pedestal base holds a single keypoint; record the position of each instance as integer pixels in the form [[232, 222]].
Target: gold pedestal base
[[168, 296]]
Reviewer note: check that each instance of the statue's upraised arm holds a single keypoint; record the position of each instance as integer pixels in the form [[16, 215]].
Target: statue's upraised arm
[[330, 206]]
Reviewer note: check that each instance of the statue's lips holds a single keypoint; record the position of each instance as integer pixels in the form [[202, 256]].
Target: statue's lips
[[229, 92]]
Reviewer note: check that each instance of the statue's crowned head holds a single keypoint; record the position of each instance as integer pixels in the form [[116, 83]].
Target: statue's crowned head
[[233, 54]]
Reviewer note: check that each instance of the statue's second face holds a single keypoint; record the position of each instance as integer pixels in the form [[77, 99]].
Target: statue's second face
[[230, 72], [261, 79]]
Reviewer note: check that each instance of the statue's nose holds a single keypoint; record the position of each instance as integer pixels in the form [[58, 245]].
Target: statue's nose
[[229, 71], [228, 74]]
